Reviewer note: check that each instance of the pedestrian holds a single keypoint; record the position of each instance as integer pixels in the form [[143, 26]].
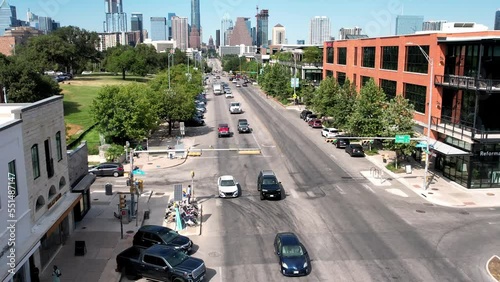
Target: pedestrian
[[35, 276], [56, 274], [188, 194]]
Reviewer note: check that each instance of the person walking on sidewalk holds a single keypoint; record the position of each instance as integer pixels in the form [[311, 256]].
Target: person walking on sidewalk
[[188, 194], [56, 274]]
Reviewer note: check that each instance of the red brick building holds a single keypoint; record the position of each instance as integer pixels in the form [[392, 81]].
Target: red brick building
[[465, 86]]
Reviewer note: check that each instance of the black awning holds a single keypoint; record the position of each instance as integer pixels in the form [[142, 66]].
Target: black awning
[[84, 183]]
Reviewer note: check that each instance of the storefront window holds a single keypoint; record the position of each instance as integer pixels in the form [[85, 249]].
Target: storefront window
[[456, 169], [486, 167]]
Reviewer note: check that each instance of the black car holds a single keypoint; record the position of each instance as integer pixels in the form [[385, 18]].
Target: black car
[[293, 257], [243, 126], [355, 150], [341, 142], [195, 121], [268, 185], [304, 113], [149, 235], [107, 169]]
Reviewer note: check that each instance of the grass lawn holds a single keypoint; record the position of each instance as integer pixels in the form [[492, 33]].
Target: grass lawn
[[78, 96]]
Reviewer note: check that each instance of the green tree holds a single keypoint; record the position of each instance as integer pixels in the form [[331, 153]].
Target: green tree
[[120, 59], [146, 60], [123, 112], [114, 152], [275, 81], [307, 93], [398, 120], [367, 117], [323, 99], [343, 106], [46, 52], [312, 55]]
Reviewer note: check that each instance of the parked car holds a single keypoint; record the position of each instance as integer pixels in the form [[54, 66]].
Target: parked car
[[244, 84], [341, 142], [268, 185], [355, 150], [243, 126], [107, 169], [223, 130], [195, 121], [238, 85], [310, 116], [315, 123], [329, 132], [201, 108], [227, 187], [293, 257], [304, 114], [149, 235], [160, 263]]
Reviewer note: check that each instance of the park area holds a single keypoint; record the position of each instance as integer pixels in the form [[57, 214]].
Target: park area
[[78, 96]]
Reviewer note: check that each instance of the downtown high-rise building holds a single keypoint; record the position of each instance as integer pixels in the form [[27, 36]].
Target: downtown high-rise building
[[406, 24], [180, 32], [433, 25], [241, 33], [169, 25], [262, 35], [226, 24], [344, 32], [279, 35], [195, 27], [137, 25], [497, 20], [44, 24], [158, 28], [116, 19], [217, 38], [319, 30], [8, 17]]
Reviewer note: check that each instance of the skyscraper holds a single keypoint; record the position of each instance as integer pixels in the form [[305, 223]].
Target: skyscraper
[[217, 38], [262, 28], [240, 34], [116, 19], [343, 32], [8, 17], [433, 25], [279, 35], [226, 24], [169, 25], [319, 30], [158, 28], [195, 28], [180, 32], [408, 24], [136, 24], [497, 20]]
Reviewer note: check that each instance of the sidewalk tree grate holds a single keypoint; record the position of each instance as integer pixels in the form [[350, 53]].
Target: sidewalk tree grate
[[435, 189], [130, 232], [430, 193], [420, 211]]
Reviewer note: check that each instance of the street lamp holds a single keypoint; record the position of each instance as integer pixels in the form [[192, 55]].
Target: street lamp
[[429, 109], [295, 77], [239, 57]]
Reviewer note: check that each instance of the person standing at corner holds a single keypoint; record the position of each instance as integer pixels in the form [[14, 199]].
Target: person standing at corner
[[188, 194], [56, 274]]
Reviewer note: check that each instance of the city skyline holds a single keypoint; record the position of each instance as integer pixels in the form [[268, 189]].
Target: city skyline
[[376, 18]]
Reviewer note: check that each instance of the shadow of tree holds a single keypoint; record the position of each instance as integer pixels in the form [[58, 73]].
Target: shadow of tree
[[71, 107]]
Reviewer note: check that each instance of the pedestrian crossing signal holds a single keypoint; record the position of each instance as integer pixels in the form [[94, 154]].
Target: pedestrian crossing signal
[[123, 201]]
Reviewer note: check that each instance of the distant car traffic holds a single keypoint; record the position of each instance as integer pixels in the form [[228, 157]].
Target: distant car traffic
[[235, 108], [268, 185], [243, 126]]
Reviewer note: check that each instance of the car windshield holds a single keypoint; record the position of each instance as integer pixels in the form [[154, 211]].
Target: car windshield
[[243, 123], [168, 235], [235, 104], [176, 258], [229, 182], [269, 181], [292, 251]]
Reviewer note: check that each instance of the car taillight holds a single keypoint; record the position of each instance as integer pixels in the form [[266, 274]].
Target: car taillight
[[120, 168]]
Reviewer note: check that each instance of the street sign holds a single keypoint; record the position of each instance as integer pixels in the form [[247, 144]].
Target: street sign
[[177, 192], [294, 82], [402, 139]]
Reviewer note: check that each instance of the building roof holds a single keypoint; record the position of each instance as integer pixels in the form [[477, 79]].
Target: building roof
[[355, 36], [278, 25], [469, 38]]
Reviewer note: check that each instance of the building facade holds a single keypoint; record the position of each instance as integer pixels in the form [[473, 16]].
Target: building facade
[[136, 24], [497, 20], [240, 33], [344, 32], [262, 31], [116, 19], [456, 27], [180, 32], [279, 35], [408, 24], [217, 38], [465, 130], [226, 24], [433, 25], [8, 17], [319, 30], [158, 28]]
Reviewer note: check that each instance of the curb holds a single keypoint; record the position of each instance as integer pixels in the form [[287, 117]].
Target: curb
[[488, 268]]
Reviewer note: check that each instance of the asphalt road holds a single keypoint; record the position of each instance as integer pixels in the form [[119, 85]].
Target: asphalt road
[[353, 230]]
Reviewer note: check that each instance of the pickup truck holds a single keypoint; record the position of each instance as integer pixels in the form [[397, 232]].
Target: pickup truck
[[223, 130], [160, 263], [149, 235]]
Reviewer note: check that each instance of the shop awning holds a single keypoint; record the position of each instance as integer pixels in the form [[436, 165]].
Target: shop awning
[[84, 183], [447, 149]]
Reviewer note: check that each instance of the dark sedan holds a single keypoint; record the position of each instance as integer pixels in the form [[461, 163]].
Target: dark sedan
[[355, 150], [293, 257]]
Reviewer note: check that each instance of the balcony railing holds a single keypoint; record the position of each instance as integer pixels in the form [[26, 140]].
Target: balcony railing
[[467, 83], [461, 129]]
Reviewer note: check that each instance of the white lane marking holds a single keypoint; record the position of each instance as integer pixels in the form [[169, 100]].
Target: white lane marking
[[339, 189], [294, 193], [493, 223], [333, 157], [311, 194], [397, 192], [218, 202], [257, 142], [220, 271], [368, 188]]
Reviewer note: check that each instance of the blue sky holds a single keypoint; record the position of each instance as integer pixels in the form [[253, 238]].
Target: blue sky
[[375, 17]]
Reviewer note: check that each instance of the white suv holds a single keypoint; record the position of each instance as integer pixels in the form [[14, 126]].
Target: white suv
[[329, 132], [235, 108]]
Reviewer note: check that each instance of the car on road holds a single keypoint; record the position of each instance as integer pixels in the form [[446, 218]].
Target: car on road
[[235, 108], [304, 114], [293, 257], [355, 150], [315, 123], [149, 235], [227, 187], [107, 169], [238, 85], [268, 185], [244, 84], [329, 132], [223, 130], [229, 95], [341, 142], [243, 126]]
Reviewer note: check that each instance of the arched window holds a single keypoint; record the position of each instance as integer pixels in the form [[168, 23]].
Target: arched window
[[40, 202], [52, 191], [62, 182]]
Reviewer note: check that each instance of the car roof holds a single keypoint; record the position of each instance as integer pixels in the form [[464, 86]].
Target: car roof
[[110, 164], [356, 145], [331, 129], [154, 228], [289, 238], [223, 125], [268, 173], [226, 177]]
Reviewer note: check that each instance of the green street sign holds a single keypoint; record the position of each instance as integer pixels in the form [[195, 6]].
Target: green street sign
[[402, 139]]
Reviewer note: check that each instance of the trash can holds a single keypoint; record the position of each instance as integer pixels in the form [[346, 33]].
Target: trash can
[[408, 169], [80, 248], [109, 189]]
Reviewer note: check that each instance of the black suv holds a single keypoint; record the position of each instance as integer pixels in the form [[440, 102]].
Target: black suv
[[304, 114], [268, 185], [107, 169], [243, 126], [149, 235], [341, 142]]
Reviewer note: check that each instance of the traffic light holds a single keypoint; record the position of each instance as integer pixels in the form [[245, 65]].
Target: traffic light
[[141, 185], [123, 201], [424, 156]]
